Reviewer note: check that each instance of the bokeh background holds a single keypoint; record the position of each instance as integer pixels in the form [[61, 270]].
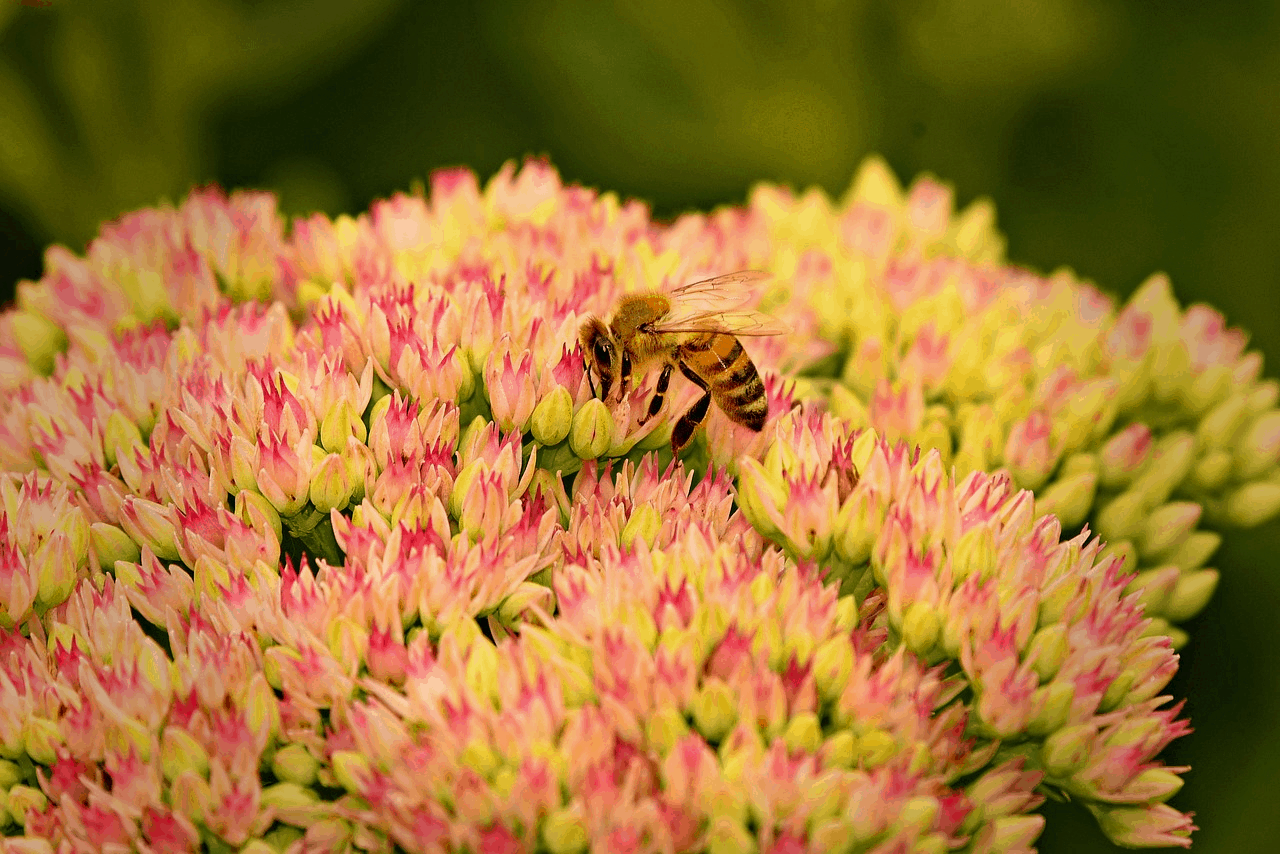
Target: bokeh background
[[1116, 138]]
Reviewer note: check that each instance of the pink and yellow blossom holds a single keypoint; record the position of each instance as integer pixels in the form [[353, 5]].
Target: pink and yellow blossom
[[314, 535]]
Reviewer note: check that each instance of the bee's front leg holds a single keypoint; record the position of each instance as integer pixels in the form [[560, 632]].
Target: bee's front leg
[[655, 403], [624, 376], [586, 368]]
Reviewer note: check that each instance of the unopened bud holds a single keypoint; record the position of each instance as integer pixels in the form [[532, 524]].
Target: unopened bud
[[564, 832], [592, 430], [1190, 594], [553, 417], [1069, 498], [1259, 447], [1252, 504], [1167, 527]]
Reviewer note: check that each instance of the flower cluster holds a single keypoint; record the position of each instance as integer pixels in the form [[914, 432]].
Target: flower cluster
[[317, 538], [1141, 421]]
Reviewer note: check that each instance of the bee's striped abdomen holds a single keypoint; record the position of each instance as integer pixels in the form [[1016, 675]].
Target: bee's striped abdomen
[[720, 359]]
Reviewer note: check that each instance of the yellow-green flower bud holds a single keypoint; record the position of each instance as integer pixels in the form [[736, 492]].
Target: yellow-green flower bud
[[1154, 587], [1206, 388], [481, 672], [845, 404], [1141, 827], [350, 769], [282, 837], [761, 496], [190, 795], [1047, 650], [10, 775], [23, 799], [974, 553], [553, 417], [1010, 833], [1171, 462], [836, 835], [664, 728], [917, 813], [726, 836], [564, 832], [40, 340], [151, 525], [119, 432], [1193, 551], [180, 752], [1263, 397], [846, 613], [1069, 498], [592, 430], [1121, 518], [41, 738], [340, 423], [257, 846], [57, 571], [526, 593], [1052, 704], [329, 834], [111, 544], [1067, 750], [1089, 413], [934, 435], [1153, 786], [262, 712], [293, 763], [1169, 371], [1211, 472], [715, 710], [803, 733], [330, 486], [854, 530], [1259, 447], [1219, 427], [832, 666], [876, 747], [294, 803], [1252, 504], [1190, 594], [645, 523], [1167, 527], [480, 757], [840, 750], [462, 484], [257, 512], [921, 628]]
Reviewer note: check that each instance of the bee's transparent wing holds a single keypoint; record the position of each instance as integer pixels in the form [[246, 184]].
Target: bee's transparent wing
[[718, 305], [745, 322]]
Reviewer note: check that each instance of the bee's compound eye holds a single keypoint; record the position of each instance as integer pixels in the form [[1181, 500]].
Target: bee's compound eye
[[602, 353]]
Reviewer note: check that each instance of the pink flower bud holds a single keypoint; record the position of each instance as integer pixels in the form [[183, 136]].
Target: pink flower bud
[[512, 390]]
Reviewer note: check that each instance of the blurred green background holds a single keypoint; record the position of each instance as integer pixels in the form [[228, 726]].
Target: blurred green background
[[1116, 138]]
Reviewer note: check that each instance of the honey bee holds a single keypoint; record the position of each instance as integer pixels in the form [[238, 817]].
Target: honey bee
[[695, 328]]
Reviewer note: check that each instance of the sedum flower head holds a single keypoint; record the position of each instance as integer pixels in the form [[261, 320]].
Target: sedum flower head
[[315, 534]]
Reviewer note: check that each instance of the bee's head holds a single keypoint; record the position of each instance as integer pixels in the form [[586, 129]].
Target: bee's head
[[601, 353]]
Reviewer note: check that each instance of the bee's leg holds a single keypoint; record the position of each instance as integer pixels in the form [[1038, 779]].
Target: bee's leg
[[655, 404], [624, 377], [586, 368], [695, 415]]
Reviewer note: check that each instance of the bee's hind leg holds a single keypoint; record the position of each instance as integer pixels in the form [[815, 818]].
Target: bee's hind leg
[[655, 403], [695, 415]]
